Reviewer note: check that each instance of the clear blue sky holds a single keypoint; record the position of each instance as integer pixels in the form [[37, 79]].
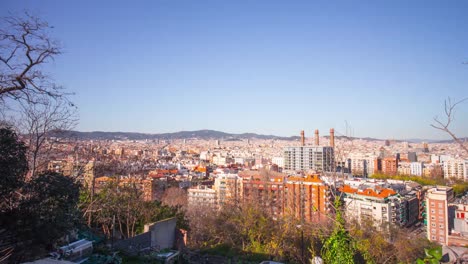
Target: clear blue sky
[[272, 67]]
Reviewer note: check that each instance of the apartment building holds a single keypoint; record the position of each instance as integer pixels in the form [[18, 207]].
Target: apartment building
[[417, 168], [278, 161], [228, 188], [308, 198], [368, 204], [361, 164], [268, 191], [202, 196], [458, 211], [305, 158], [437, 200], [456, 168]]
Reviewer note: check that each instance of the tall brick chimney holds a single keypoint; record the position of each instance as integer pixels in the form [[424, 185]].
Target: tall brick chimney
[[317, 139], [302, 138], [332, 137]]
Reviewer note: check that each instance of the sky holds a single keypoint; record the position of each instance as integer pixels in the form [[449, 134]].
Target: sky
[[270, 67]]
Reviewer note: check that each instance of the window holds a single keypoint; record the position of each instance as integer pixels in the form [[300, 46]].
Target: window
[[432, 204], [433, 224], [441, 226], [441, 205]]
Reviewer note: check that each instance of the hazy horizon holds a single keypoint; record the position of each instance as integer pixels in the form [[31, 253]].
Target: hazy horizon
[[265, 67], [307, 135]]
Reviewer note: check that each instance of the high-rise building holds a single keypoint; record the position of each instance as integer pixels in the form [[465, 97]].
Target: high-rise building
[[306, 158], [438, 227], [308, 198]]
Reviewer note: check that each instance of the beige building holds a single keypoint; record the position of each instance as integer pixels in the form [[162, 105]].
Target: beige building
[[228, 188], [202, 196]]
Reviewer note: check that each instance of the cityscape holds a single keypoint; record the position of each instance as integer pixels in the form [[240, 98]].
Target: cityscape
[[240, 150]]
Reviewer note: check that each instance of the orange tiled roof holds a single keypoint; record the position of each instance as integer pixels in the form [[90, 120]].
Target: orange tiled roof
[[104, 179], [309, 178], [378, 192]]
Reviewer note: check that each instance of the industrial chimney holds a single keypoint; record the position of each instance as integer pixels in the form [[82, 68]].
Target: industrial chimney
[[332, 137], [302, 138], [317, 142]]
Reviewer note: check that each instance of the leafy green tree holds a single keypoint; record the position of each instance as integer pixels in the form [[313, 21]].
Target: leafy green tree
[[35, 214], [13, 165], [338, 247], [48, 210]]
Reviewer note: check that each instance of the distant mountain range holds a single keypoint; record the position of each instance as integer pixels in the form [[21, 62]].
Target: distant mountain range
[[199, 134]]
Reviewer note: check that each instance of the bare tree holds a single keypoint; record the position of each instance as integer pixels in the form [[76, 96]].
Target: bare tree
[[444, 125], [25, 47], [38, 122]]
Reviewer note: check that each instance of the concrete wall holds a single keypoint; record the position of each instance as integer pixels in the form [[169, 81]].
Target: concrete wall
[[135, 244], [162, 233]]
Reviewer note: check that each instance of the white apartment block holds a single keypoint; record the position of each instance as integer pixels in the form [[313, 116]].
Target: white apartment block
[[365, 208], [456, 168], [278, 161], [306, 158], [417, 168]]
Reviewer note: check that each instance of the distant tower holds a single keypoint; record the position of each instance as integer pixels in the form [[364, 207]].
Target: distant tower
[[387, 143], [302, 138], [332, 137], [317, 139], [425, 147]]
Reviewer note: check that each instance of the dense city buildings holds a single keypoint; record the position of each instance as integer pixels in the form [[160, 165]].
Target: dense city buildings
[[286, 177]]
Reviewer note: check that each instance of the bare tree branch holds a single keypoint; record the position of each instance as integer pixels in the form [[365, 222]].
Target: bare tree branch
[[38, 121], [444, 125], [25, 47]]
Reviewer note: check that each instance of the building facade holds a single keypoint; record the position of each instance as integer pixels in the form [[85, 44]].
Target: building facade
[[305, 158], [437, 200], [308, 198]]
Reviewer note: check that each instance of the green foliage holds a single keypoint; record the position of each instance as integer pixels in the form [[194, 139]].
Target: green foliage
[[42, 210], [338, 247], [50, 212], [418, 179], [433, 256], [13, 164]]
